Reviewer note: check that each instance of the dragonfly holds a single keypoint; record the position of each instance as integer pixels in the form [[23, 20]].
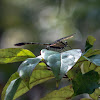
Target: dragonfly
[[58, 44]]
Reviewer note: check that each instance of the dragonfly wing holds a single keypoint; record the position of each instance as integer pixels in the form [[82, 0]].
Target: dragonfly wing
[[66, 38]]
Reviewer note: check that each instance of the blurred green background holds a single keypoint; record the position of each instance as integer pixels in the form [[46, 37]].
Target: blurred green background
[[45, 21]]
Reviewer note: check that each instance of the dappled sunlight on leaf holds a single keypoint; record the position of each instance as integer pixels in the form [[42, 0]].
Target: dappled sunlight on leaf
[[39, 75], [26, 68], [61, 63], [83, 70], [14, 55]]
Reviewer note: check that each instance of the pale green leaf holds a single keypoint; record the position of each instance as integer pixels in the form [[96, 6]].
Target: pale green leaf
[[61, 63], [12, 88], [13, 77], [68, 60], [26, 68]]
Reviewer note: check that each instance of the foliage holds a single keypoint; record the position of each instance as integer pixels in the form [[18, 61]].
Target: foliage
[[14, 55], [83, 70]]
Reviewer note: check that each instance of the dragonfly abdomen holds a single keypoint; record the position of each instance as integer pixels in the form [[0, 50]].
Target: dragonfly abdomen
[[25, 43]]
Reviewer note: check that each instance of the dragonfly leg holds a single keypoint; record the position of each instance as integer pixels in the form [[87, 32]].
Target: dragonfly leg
[[70, 47]]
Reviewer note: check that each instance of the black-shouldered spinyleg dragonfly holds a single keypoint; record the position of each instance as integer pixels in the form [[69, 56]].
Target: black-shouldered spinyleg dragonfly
[[58, 44]]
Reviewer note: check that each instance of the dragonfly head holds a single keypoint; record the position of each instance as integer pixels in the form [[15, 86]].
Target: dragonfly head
[[47, 47]]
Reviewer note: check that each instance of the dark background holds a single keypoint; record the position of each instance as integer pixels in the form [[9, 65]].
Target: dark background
[[45, 21]]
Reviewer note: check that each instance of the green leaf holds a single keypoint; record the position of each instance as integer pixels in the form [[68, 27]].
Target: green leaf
[[13, 77], [85, 99], [60, 63], [83, 65], [39, 75], [11, 90], [91, 61], [46, 53], [89, 42], [61, 94], [96, 94], [91, 52], [68, 60], [94, 59], [14, 55], [26, 68], [54, 62], [85, 83]]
